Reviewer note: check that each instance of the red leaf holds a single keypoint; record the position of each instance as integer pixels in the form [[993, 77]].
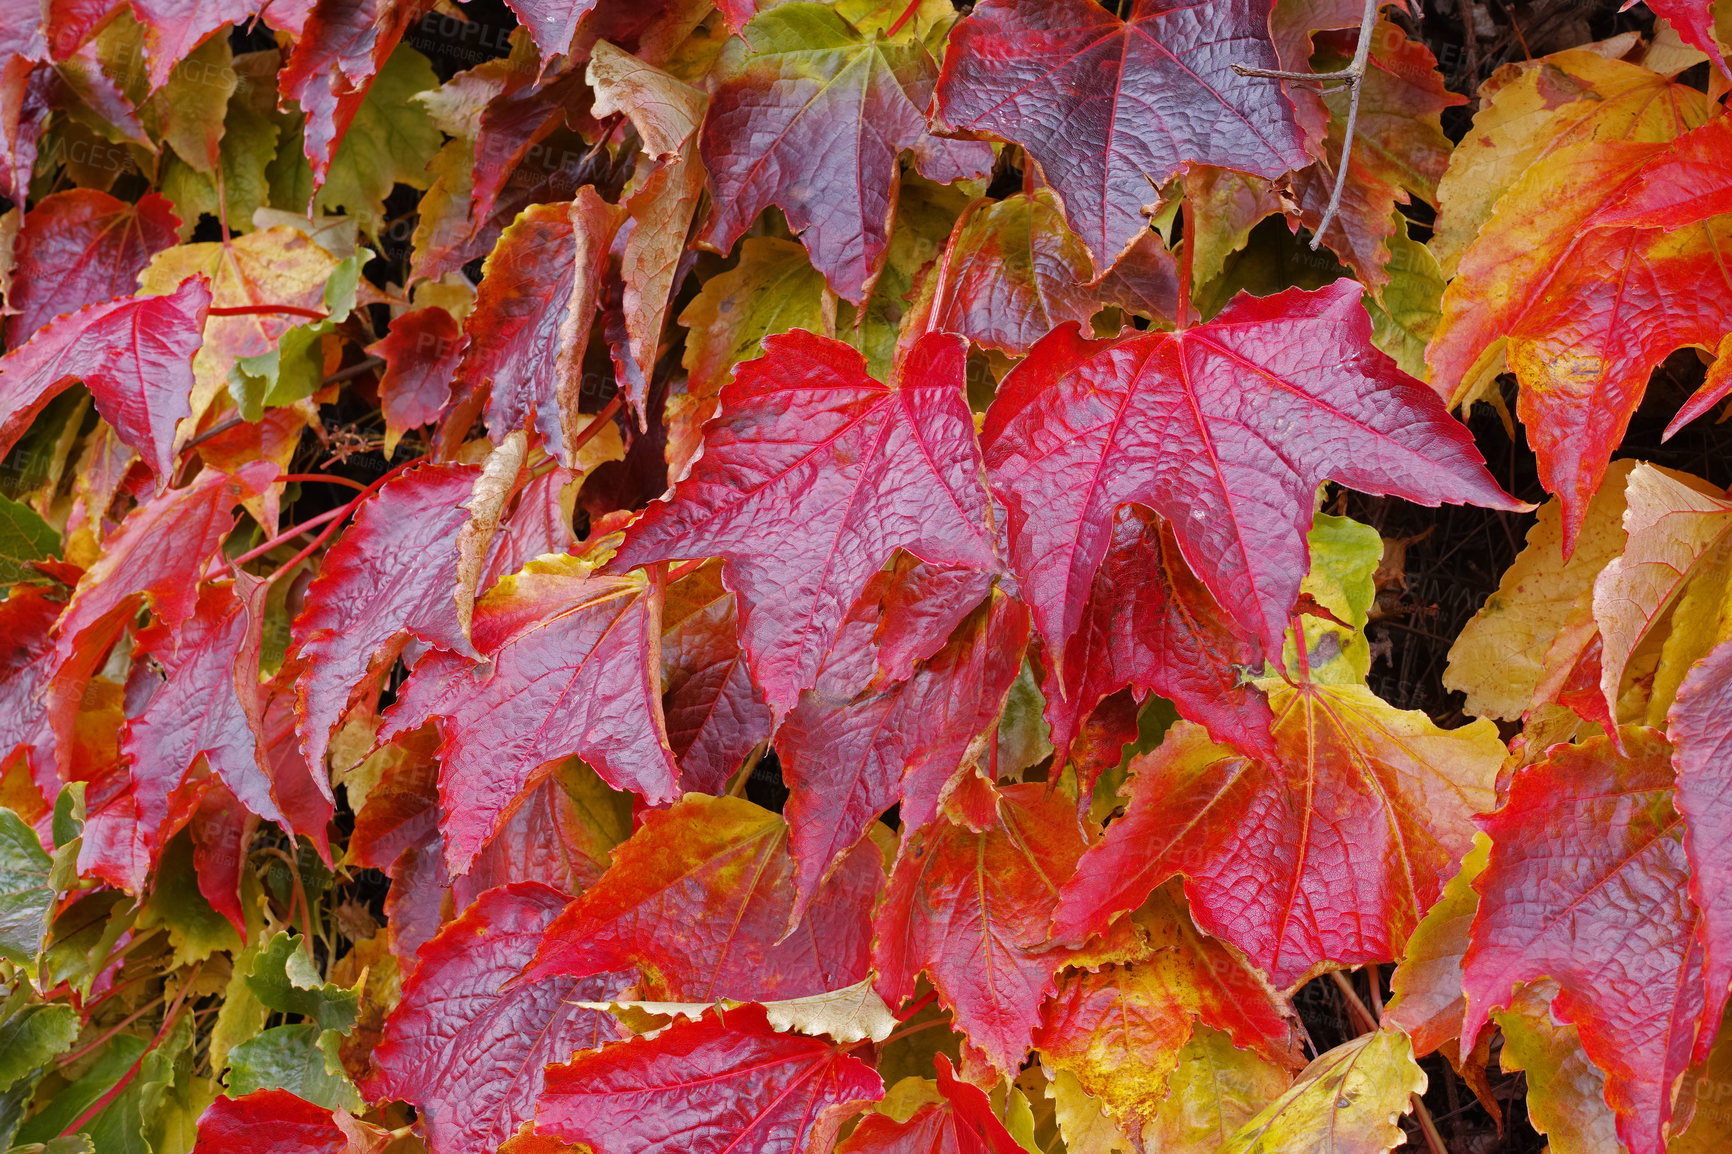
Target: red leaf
[[847, 757], [1702, 740], [698, 900], [1150, 624], [1330, 853], [1571, 299], [1588, 885], [196, 711], [552, 23], [157, 554], [1111, 110], [1119, 1028], [723, 1083], [811, 477], [526, 335], [173, 28], [421, 353], [572, 669], [1012, 272], [222, 830], [921, 609], [278, 1122], [813, 121], [26, 616], [391, 576], [511, 125], [135, 356], [964, 1124], [970, 909], [544, 838], [1168, 420], [467, 1052], [82, 247], [339, 51], [1694, 22], [715, 715]]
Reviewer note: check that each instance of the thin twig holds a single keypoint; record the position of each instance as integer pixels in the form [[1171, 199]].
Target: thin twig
[[1354, 76], [1368, 1020]]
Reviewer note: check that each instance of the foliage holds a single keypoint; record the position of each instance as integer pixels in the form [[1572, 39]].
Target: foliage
[[720, 575]]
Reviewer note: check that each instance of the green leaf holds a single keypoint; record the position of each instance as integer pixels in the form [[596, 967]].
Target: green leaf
[[299, 1058], [242, 1015], [285, 980], [24, 537], [82, 936], [26, 898], [289, 372], [66, 1104], [32, 1035], [195, 929], [388, 144], [1406, 312]]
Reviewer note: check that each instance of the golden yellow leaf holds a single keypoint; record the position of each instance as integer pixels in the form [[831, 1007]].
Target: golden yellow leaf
[[1349, 1101]]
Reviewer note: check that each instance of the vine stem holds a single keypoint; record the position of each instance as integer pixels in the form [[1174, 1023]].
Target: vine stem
[[1368, 1021], [168, 1020], [330, 519], [325, 477], [266, 311], [1354, 77]]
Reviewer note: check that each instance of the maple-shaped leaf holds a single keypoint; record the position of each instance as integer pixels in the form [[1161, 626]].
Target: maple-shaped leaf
[[392, 575], [920, 608], [276, 1121], [1567, 298], [726, 1082], [551, 23], [82, 247], [158, 554], [1675, 528], [1565, 1091], [1112, 109], [1330, 854], [813, 120], [466, 1051], [421, 355], [812, 477], [666, 112], [1215, 1089], [772, 289], [1500, 658], [1119, 1028], [1427, 1001], [1694, 22], [1702, 744], [560, 832], [961, 1122], [1399, 149], [1167, 420], [339, 52], [715, 715], [134, 355], [174, 28], [526, 335], [570, 668], [698, 900], [847, 750], [1587, 858], [273, 266], [1348, 1101], [26, 650], [1150, 624], [197, 709], [972, 909], [1540, 107], [1011, 273]]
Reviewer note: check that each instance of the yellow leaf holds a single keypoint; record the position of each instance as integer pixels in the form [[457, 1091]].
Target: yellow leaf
[[1349, 1101]]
